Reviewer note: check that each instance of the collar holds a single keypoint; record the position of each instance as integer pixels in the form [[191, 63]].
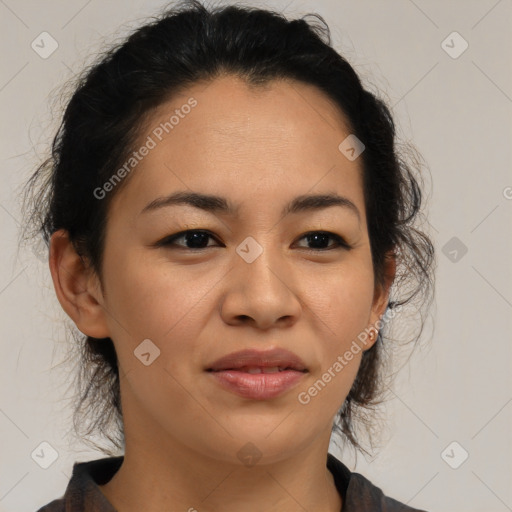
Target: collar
[[83, 493]]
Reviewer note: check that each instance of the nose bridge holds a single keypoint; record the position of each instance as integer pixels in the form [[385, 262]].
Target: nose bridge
[[259, 286], [261, 262]]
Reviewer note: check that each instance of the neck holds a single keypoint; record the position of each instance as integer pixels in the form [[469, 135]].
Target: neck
[[178, 478]]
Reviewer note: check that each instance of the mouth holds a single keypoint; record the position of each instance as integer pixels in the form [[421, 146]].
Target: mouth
[[254, 361], [253, 370], [258, 375]]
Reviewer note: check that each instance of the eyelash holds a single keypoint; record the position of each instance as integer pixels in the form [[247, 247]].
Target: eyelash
[[170, 240]]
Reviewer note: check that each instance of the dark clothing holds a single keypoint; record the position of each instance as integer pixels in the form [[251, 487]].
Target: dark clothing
[[84, 495]]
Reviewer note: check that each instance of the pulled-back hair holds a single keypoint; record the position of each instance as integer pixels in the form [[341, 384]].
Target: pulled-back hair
[[185, 44]]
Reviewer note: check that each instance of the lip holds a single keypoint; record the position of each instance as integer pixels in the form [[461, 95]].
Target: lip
[[231, 373], [257, 358], [261, 386]]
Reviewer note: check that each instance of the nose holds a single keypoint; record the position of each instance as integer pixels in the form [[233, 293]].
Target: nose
[[261, 293]]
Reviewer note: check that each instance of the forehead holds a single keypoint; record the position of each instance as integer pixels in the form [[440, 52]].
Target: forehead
[[254, 144]]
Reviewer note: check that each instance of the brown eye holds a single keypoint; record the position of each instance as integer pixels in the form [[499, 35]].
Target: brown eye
[[194, 239], [321, 238], [198, 239]]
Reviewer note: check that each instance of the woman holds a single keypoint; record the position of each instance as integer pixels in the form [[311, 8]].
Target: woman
[[226, 213]]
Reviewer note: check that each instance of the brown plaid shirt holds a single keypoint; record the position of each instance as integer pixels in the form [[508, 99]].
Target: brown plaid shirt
[[84, 495]]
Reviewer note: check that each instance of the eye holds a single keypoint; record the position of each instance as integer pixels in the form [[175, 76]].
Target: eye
[[198, 239], [194, 239], [322, 237]]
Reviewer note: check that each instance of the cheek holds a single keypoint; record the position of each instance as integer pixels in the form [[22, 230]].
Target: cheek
[[342, 308], [342, 317], [341, 299], [149, 299]]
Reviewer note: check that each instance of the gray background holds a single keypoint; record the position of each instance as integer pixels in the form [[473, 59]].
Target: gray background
[[457, 111]]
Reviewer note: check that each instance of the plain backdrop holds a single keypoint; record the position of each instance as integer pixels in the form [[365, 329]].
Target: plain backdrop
[[446, 445]]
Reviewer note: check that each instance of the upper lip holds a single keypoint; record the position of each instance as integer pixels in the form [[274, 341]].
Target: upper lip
[[269, 358]]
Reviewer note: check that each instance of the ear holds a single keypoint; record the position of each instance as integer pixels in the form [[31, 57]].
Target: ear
[[381, 294], [77, 287]]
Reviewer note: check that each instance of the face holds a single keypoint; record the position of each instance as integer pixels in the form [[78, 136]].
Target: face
[[251, 278]]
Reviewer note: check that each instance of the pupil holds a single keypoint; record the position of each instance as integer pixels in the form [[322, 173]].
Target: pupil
[[196, 237], [316, 236]]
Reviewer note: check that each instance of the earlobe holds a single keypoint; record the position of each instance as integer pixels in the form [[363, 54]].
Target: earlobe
[[74, 285]]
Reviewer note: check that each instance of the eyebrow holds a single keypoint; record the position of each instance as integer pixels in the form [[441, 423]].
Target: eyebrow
[[218, 204]]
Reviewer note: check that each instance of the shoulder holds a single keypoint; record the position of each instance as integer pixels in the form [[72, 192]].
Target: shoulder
[[361, 495], [83, 492], [363, 492], [54, 506]]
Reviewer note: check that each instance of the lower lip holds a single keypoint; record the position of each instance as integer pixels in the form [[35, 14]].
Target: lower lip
[[258, 386]]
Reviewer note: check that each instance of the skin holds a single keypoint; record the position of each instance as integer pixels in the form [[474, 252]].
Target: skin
[[259, 148]]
